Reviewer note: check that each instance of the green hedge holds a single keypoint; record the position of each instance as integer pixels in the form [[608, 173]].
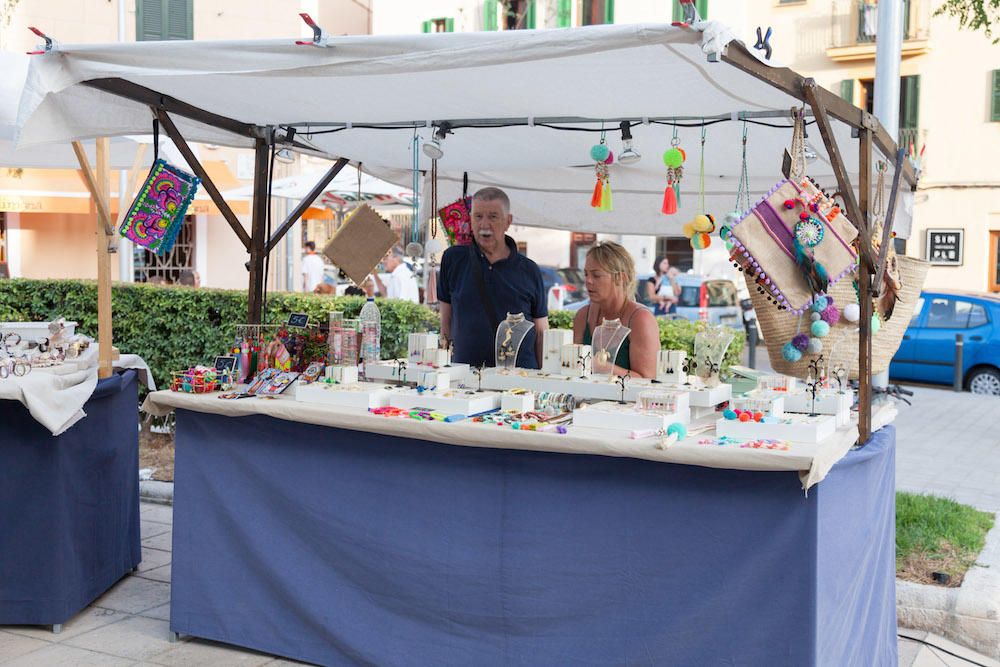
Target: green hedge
[[674, 335], [173, 328]]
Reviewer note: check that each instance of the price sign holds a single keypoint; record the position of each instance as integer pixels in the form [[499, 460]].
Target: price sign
[[298, 320], [225, 364]]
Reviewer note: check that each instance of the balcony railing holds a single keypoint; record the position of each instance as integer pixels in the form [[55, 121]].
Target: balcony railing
[[855, 22]]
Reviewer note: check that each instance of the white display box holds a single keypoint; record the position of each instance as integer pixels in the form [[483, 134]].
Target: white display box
[[626, 418], [670, 366], [363, 395], [388, 371], [793, 427], [435, 356], [827, 403], [460, 403], [517, 402], [703, 397], [416, 343], [781, 383], [31, 331], [770, 405], [437, 381], [342, 374], [538, 381], [553, 341]]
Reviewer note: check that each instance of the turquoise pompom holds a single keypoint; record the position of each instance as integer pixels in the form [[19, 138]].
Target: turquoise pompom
[[820, 304], [599, 152], [729, 414], [819, 328], [677, 429], [790, 353]]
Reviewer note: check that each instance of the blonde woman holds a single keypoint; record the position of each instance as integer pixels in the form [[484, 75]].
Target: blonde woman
[[609, 276]]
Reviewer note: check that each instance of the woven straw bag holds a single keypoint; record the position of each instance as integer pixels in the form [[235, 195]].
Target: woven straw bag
[[841, 345]]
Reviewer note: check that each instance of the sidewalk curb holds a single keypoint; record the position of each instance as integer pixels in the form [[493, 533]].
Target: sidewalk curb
[[156, 492], [970, 614]]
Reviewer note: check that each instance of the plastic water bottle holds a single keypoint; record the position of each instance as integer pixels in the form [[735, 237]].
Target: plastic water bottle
[[371, 331]]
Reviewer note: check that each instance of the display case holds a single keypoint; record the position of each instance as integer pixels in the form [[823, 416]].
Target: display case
[[363, 395], [553, 341]]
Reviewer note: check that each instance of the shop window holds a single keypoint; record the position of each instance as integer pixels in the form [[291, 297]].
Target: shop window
[[167, 268], [994, 266], [158, 20], [678, 13], [597, 12], [439, 25]]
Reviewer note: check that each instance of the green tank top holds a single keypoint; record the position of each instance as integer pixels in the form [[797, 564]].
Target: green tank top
[[622, 360]]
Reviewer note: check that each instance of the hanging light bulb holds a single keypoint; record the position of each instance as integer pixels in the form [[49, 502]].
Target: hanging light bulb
[[432, 148], [629, 155]]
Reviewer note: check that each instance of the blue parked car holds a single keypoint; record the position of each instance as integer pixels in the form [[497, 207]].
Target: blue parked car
[[927, 353]]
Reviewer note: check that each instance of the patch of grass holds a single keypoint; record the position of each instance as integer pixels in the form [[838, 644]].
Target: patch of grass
[[937, 535]]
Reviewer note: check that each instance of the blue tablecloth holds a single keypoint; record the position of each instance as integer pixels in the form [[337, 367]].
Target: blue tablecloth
[[69, 506], [342, 547]]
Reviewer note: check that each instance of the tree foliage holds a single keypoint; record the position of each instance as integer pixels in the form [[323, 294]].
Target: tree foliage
[[974, 15]]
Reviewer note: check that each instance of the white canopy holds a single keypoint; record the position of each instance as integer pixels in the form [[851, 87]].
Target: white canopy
[[341, 192], [496, 88]]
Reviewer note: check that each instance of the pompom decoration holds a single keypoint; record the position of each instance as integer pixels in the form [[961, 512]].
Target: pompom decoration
[[611, 157], [790, 354], [673, 157], [599, 152], [677, 429], [876, 323], [729, 414], [800, 342], [815, 346], [831, 315], [745, 416], [819, 305], [700, 241], [703, 223], [815, 317], [819, 329], [852, 312], [688, 230]]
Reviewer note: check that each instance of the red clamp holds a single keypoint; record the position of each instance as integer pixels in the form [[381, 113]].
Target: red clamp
[[319, 36], [50, 43]]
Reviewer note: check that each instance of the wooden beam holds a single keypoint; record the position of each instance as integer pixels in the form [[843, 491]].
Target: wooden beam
[[104, 322], [91, 181], [133, 182], [791, 83], [206, 180], [865, 295], [840, 171], [883, 250], [258, 251], [306, 202]]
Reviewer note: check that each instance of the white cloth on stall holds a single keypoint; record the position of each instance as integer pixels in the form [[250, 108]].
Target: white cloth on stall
[[811, 461], [55, 396]]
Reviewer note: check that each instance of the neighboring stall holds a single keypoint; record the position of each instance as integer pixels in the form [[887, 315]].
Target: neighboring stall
[[329, 545]]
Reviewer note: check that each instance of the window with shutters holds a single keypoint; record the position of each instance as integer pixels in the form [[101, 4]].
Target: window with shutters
[[564, 13], [847, 90], [439, 25], [158, 20], [509, 14], [995, 97], [597, 12], [678, 13], [909, 110]]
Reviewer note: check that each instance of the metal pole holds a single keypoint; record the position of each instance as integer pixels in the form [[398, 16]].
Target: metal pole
[[888, 49], [959, 361], [752, 342]]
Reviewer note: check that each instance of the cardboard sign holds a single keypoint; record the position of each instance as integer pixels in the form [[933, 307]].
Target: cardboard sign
[[360, 243], [298, 320]]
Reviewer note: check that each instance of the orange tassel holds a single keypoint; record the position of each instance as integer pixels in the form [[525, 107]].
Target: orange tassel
[[595, 201], [669, 201]]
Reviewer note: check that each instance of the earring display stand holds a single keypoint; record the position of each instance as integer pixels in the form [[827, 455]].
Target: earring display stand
[[670, 367], [553, 341], [575, 360], [607, 341], [709, 349], [510, 334]]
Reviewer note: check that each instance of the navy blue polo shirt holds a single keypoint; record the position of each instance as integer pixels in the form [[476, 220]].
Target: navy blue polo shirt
[[514, 284]]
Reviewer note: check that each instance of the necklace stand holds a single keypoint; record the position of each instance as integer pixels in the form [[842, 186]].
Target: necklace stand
[[607, 340], [510, 334]]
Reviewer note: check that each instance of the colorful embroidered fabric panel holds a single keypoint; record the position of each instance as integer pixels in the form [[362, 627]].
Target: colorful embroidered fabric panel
[[157, 214], [457, 220]]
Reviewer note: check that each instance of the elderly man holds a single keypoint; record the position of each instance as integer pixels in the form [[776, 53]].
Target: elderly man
[[479, 284], [402, 283]]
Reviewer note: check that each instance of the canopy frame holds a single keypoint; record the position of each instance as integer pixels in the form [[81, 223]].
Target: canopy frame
[[823, 104]]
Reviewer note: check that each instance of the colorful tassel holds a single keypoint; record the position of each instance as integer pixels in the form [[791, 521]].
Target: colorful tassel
[[677, 192], [606, 198], [598, 196], [669, 201]]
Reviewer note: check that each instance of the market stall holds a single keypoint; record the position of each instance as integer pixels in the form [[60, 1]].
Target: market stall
[[335, 525]]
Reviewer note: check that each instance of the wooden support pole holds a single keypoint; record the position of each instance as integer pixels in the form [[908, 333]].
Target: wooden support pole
[[883, 250], [258, 237], [864, 292], [103, 192], [99, 196], [306, 202], [199, 171]]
